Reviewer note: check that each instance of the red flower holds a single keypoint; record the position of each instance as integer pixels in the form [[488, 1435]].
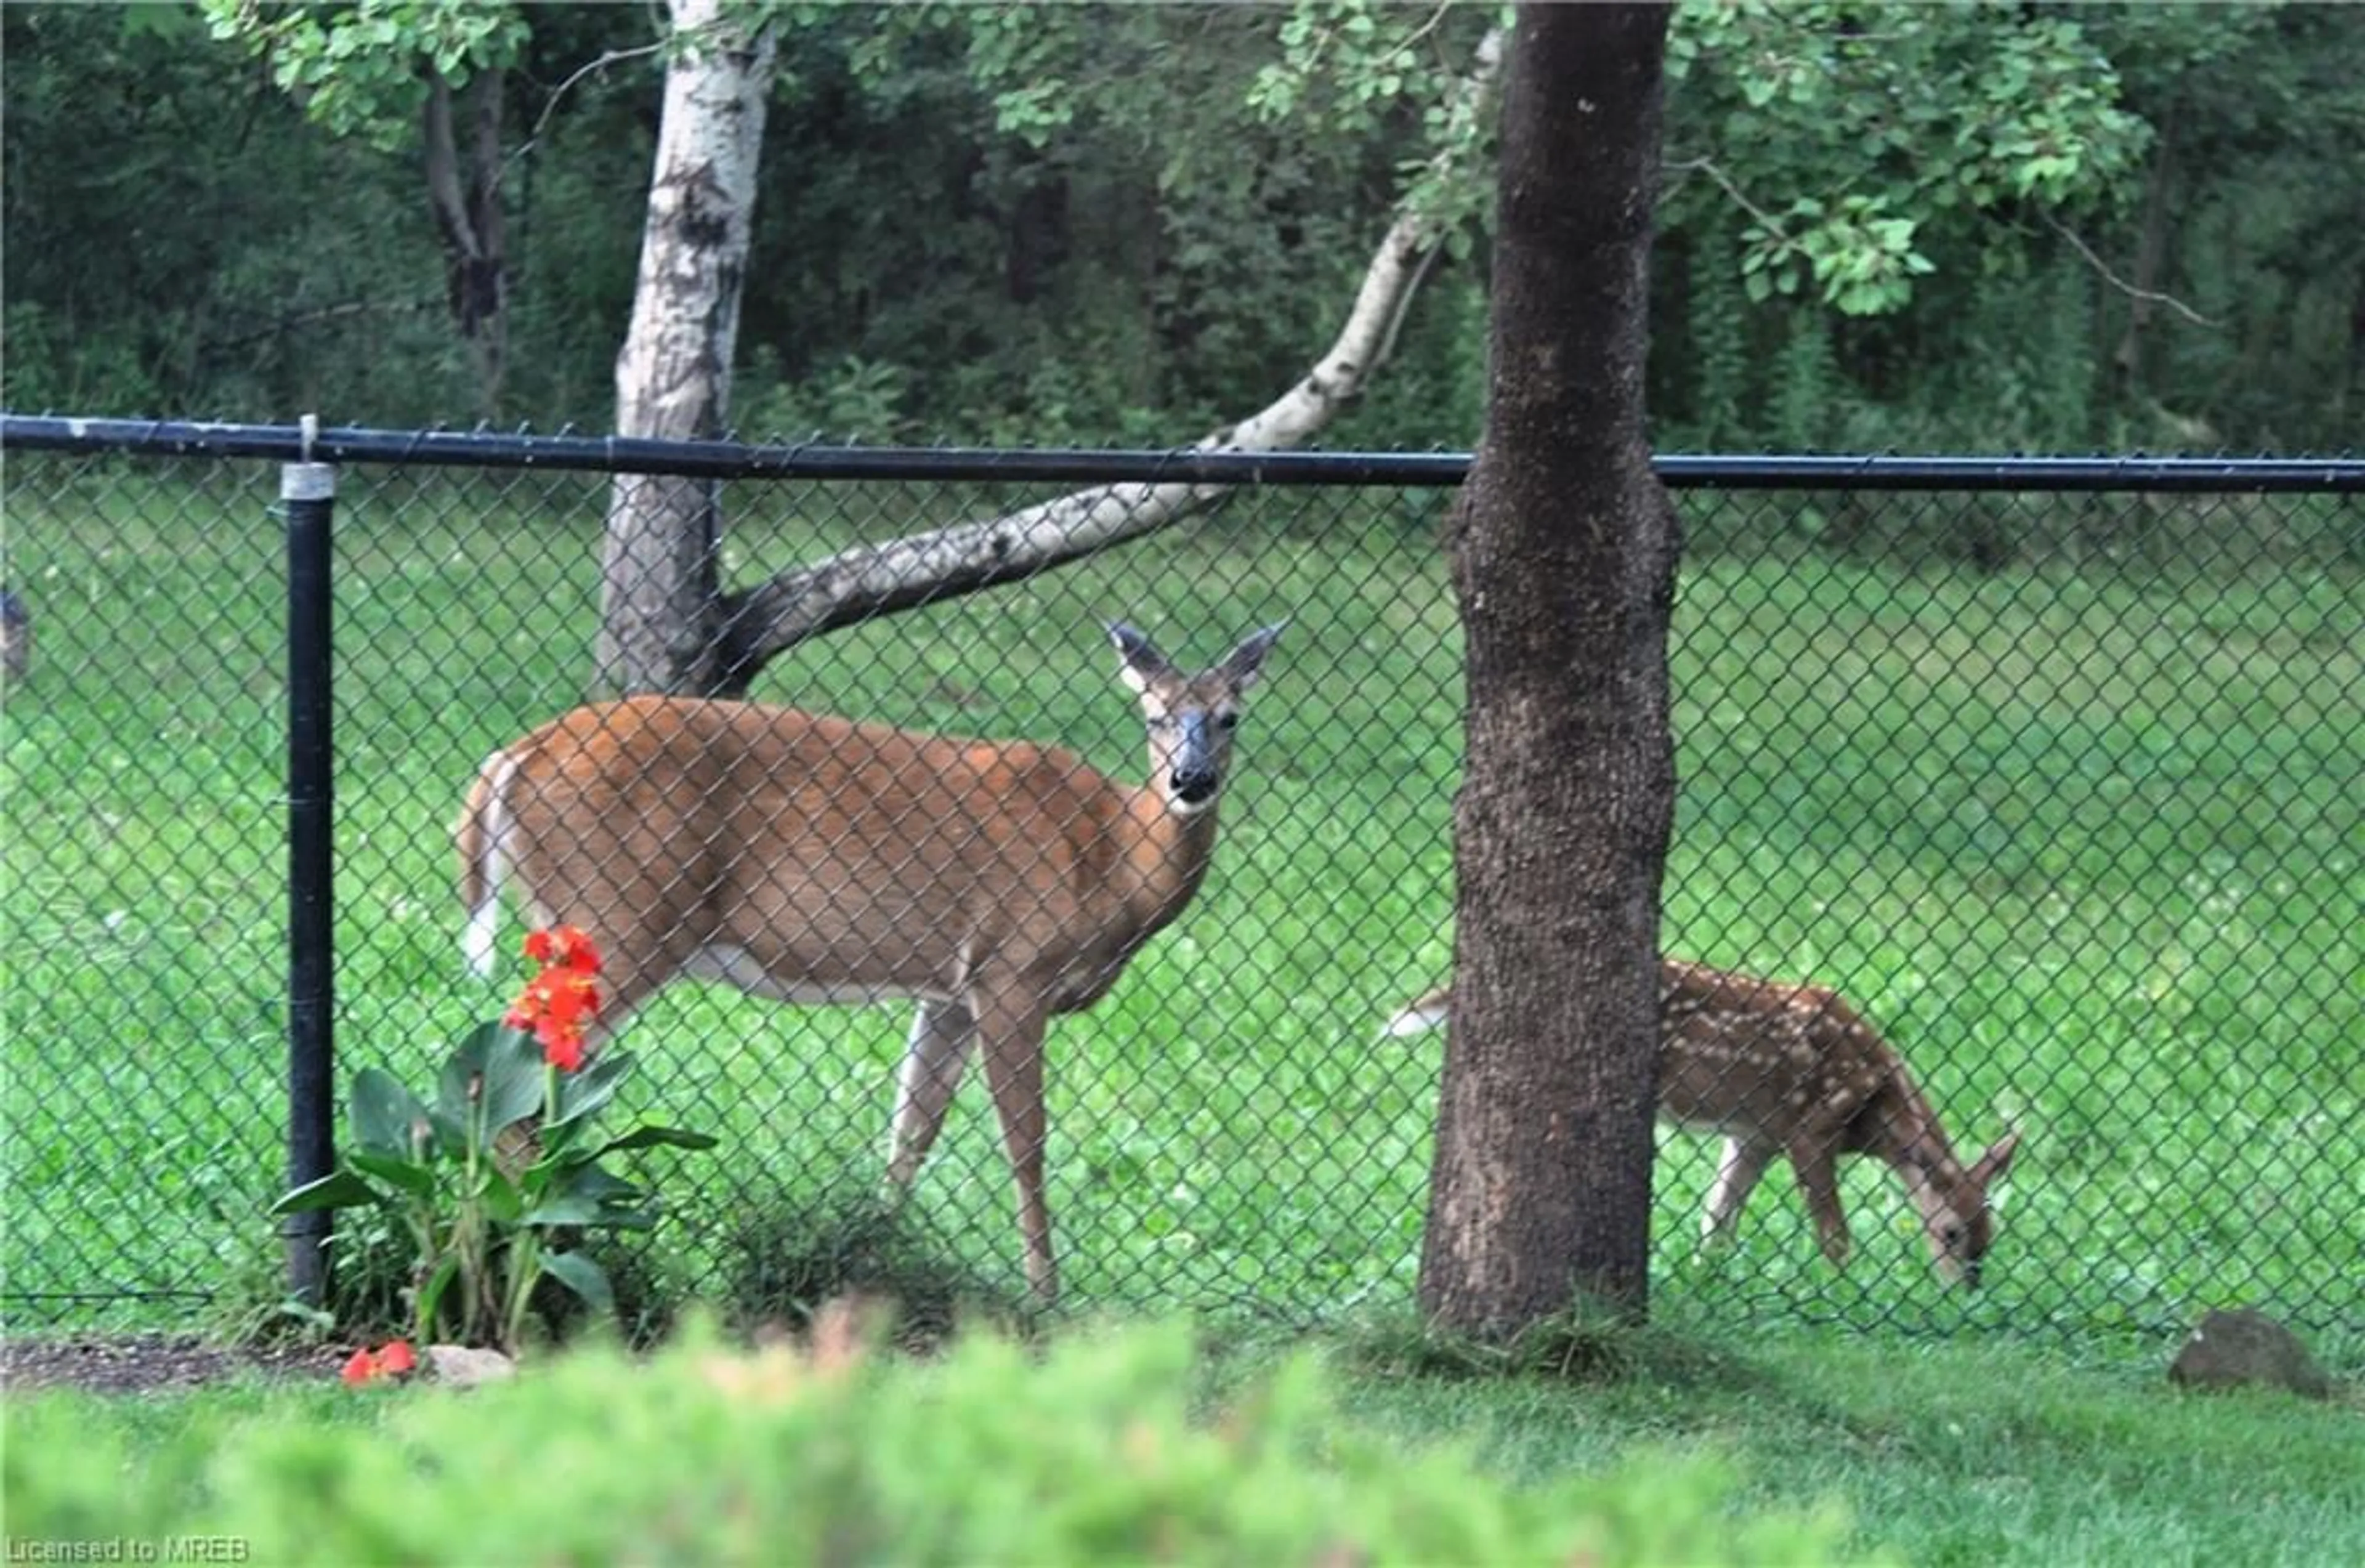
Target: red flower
[[558, 1003], [366, 1365], [562, 946]]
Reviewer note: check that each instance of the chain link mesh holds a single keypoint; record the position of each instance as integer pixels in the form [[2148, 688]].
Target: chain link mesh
[[2060, 793]]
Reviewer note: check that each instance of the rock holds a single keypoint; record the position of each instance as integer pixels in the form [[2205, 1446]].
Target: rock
[[2231, 1349], [457, 1366]]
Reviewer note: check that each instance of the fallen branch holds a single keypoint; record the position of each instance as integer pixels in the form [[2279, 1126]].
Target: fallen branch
[[760, 623]]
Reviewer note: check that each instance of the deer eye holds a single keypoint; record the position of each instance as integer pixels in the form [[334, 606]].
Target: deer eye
[[1951, 1235], [1227, 720]]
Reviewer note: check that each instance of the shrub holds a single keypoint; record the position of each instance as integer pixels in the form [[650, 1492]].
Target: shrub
[[1088, 1451]]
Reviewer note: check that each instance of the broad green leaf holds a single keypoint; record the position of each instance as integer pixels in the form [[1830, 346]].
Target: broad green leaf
[[564, 1209], [451, 1136], [394, 1171], [514, 1078], [430, 1293], [456, 1087], [338, 1189], [502, 1201], [500, 1065], [582, 1276], [657, 1138], [385, 1112], [581, 1094], [596, 1185]]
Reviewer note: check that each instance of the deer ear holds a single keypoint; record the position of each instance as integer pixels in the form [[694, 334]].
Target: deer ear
[[1142, 661], [1241, 664], [1997, 1159]]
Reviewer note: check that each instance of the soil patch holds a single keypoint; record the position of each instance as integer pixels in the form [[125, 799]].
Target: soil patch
[[151, 1363]]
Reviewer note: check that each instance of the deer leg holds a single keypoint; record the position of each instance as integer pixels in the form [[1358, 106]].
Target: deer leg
[[933, 1057], [1010, 1028], [1737, 1173], [1819, 1179]]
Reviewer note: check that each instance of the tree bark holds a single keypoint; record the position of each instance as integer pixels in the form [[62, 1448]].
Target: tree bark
[[2151, 252], [1563, 554], [661, 610], [463, 188]]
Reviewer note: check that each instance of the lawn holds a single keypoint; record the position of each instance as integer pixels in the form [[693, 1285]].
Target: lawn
[[2086, 847], [1799, 1446], [1979, 1453]]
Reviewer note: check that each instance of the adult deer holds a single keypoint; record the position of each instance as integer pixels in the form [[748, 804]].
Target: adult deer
[[815, 859], [1791, 1070]]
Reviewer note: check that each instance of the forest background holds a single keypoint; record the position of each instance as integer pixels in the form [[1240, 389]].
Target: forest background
[[2033, 228]]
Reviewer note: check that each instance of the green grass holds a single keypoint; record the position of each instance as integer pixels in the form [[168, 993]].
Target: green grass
[[2087, 848], [1989, 1453], [1944, 1453]]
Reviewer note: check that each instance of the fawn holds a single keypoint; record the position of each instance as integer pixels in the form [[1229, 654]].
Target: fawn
[[1785, 1069]]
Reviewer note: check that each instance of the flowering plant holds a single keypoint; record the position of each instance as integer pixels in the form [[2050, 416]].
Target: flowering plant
[[391, 1359], [491, 1176]]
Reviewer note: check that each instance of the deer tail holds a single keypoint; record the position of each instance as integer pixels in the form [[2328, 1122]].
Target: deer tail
[[482, 834], [1419, 1016]]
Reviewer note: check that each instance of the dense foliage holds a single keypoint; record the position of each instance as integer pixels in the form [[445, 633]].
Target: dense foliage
[[1087, 1453], [2038, 226]]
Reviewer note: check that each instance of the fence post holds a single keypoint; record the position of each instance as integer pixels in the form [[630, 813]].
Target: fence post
[[309, 490]]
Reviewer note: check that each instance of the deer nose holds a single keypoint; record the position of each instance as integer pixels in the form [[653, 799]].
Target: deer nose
[[1194, 786], [1192, 774], [1971, 1275]]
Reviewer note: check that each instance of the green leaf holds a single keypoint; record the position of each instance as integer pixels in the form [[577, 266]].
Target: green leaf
[[596, 1185], [501, 1065], [430, 1293], [455, 1086], [385, 1112], [582, 1094], [514, 1078], [395, 1171], [502, 1201], [657, 1138], [564, 1209], [591, 1196], [451, 1136], [173, 23], [582, 1276], [338, 1189]]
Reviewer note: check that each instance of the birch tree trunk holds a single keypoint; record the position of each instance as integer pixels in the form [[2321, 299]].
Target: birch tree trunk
[[1564, 551], [659, 600]]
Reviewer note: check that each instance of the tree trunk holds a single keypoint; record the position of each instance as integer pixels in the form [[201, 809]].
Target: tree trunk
[[463, 188], [2151, 253], [1563, 553], [660, 606]]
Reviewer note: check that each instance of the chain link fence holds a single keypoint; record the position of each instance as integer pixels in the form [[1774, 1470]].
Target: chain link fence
[[2051, 771]]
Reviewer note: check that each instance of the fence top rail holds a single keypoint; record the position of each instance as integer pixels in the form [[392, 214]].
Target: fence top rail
[[737, 460]]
